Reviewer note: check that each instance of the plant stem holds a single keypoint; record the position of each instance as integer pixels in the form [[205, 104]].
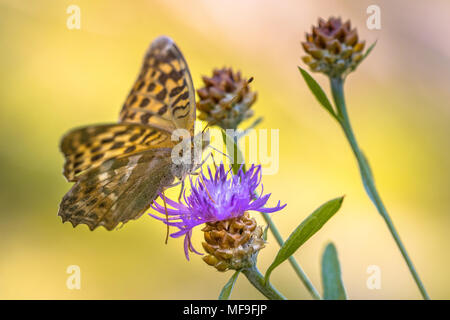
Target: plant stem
[[298, 270], [257, 280], [337, 89]]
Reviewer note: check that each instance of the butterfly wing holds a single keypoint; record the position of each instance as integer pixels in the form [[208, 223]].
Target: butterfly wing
[[163, 95], [88, 147], [118, 190], [119, 169]]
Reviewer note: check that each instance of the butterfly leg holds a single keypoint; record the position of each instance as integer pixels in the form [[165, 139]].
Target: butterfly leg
[[181, 190], [167, 215], [224, 154], [203, 162]]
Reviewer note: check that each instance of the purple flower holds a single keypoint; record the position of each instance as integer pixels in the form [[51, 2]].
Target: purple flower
[[217, 197]]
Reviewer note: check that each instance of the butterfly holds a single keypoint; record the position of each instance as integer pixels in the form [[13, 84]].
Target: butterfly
[[120, 169]]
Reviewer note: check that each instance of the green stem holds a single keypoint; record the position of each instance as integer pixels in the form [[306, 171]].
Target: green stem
[[298, 270], [337, 88], [257, 280]]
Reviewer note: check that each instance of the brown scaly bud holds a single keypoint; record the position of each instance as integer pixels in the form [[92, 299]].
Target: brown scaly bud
[[333, 48], [226, 98], [233, 243]]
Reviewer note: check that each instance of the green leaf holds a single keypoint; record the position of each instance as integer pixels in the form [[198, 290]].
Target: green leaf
[[333, 288], [266, 229], [318, 92], [233, 151], [365, 55], [369, 50], [304, 231], [226, 290]]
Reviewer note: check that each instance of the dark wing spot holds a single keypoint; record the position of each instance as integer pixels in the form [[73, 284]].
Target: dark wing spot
[[79, 212], [134, 137], [77, 164], [179, 108], [89, 190], [117, 145], [97, 157], [107, 140], [92, 202], [162, 110], [130, 149], [176, 75], [163, 78], [96, 149], [120, 133], [140, 86], [176, 91], [149, 135], [151, 87], [145, 117], [161, 95], [133, 100], [144, 102]]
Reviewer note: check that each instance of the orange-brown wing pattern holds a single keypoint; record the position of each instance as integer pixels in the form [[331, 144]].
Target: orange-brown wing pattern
[[88, 147], [118, 190], [163, 95]]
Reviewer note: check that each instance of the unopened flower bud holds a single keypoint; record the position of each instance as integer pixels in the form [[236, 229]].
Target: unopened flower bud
[[226, 99], [333, 48]]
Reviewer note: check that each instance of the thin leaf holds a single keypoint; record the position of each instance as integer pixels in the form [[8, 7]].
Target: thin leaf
[[365, 55], [226, 290], [333, 287], [318, 92], [266, 229], [233, 151], [369, 50], [304, 231]]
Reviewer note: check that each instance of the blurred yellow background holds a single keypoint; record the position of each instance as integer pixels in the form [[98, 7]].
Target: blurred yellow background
[[53, 79]]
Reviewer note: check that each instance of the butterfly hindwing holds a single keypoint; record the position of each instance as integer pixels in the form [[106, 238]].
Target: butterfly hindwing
[[163, 94], [88, 147], [118, 190]]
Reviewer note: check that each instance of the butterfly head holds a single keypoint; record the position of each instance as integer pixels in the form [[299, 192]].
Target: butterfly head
[[187, 155]]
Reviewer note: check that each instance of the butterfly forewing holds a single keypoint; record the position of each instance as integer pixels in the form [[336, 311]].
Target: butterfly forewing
[[88, 147], [163, 94]]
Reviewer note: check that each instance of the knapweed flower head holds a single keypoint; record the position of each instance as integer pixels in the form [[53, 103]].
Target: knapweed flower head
[[333, 48], [226, 99], [221, 201]]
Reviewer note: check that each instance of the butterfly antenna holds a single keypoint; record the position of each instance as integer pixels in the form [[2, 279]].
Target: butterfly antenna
[[217, 150], [239, 93], [167, 216], [214, 161], [204, 184], [206, 127]]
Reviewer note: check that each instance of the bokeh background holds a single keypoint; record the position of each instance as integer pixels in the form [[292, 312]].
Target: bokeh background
[[53, 79]]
